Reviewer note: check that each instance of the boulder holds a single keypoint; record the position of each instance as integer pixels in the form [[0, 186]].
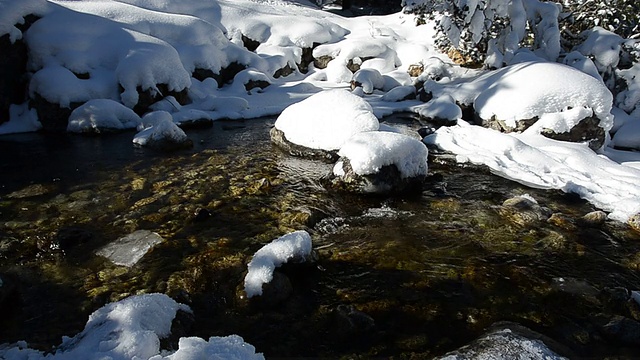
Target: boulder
[[381, 162]]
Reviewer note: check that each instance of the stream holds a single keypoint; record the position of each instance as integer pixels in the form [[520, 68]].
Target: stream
[[404, 277]]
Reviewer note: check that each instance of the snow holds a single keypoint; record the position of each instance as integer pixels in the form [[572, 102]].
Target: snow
[[520, 92], [102, 114], [128, 250], [544, 163], [13, 13], [326, 120], [131, 329], [368, 152], [159, 125], [295, 246]]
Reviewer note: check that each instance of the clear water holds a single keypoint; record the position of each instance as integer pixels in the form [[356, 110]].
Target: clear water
[[401, 276]]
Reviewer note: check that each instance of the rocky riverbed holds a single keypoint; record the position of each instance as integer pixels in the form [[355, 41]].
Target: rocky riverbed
[[406, 276]]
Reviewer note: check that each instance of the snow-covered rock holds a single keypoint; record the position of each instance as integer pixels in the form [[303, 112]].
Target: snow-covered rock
[[506, 342], [101, 115], [129, 249], [323, 122], [515, 97], [132, 329], [292, 247], [381, 162], [368, 79], [160, 132]]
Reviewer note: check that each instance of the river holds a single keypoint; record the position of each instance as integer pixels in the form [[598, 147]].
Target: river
[[393, 276]]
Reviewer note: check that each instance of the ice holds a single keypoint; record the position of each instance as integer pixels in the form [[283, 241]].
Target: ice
[[369, 151], [326, 120], [128, 250], [295, 246]]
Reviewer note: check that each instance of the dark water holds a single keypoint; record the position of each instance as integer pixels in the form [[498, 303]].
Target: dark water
[[400, 277]]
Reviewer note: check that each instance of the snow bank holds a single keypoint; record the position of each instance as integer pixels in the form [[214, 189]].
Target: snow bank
[[368, 152], [102, 114], [13, 12], [531, 89], [295, 246], [132, 329], [326, 120], [540, 162]]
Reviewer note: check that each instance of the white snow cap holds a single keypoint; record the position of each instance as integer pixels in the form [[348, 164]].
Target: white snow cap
[[369, 151], [159, 125], [327, 119], [13, 13], [531, 89], [132, 329], [102, 114], [292, 246]]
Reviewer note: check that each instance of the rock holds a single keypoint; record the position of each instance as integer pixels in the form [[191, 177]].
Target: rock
[[587, 130], [594, 219], [148, 97], [128, 250], [161, 133], [70, 237], [249, 43], [180, 327], [508, 341], [279, 139], [623, 331], [634, 222], [381, 162], [285, 71], [388, 180], [13, 67], [349, 321], [499, 125], [368, 79], [321, 62], [415, 70], [523, 210], [53, 117], [563, 221]]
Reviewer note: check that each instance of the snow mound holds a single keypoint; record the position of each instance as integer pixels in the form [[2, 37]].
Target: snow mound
[[368, 152], [295, 246], [97, 115], [13, 13], [528, 90], [132, 329], [539, 162], [326, 120], [159, 128], [368, 79]]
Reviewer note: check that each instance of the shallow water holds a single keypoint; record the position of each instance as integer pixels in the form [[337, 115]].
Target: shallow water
[[394, 276]]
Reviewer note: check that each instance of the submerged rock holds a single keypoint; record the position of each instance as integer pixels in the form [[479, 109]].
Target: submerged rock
[[523, 210], [506, 341], [128, 250]]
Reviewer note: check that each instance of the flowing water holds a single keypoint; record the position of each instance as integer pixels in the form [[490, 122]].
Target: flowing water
[[412, 276]]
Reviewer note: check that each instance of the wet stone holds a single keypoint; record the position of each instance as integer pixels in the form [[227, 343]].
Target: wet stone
[[128, 250], [278, 137], [594, 219]]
